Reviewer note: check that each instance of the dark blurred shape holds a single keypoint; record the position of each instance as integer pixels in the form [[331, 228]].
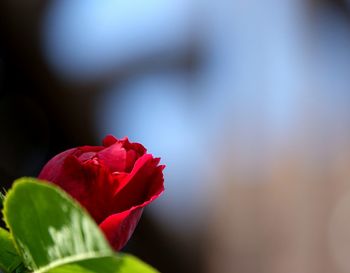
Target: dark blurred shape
[[24, 136], [24, 125]]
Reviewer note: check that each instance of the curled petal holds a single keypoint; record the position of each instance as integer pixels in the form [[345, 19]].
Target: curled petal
[[137, 147], [114, 157], [109, 140], [144, 183], [126, 144], [119, 227]]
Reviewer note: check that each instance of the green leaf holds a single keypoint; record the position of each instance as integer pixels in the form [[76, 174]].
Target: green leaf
[[122, 263], [131, 264], [9, 258], [2, 196], [55, 235], [49, 228]]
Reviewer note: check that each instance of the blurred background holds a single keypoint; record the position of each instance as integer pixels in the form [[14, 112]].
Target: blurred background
[[246, 101]]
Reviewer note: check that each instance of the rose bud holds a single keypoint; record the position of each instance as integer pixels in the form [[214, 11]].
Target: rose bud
[[114, 182]]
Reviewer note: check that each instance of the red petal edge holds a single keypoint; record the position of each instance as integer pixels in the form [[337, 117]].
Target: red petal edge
[[144, 182], [119, 227], [53, 168], [109, 140]]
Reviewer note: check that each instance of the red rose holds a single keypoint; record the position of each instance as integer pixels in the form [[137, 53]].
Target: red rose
[[114, 182]]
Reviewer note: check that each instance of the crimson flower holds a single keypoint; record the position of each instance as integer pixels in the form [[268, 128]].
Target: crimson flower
[[114, 182]]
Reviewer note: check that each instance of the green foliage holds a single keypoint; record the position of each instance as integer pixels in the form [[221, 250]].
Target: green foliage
[[2, 197], [54, 234], [49, 227], [9, 258], [121, 264], [129, 264]]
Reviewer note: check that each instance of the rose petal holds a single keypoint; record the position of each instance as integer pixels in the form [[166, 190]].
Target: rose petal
[[90, 183], [120, 155], [86, 156], [144, 182], [131, 157], [114, 157], [137, 147], [52, 169], [88, 149], [119, 227], [113, 182], [109, 140]]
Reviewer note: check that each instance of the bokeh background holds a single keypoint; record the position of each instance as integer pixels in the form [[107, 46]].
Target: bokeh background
[[246, 101]]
